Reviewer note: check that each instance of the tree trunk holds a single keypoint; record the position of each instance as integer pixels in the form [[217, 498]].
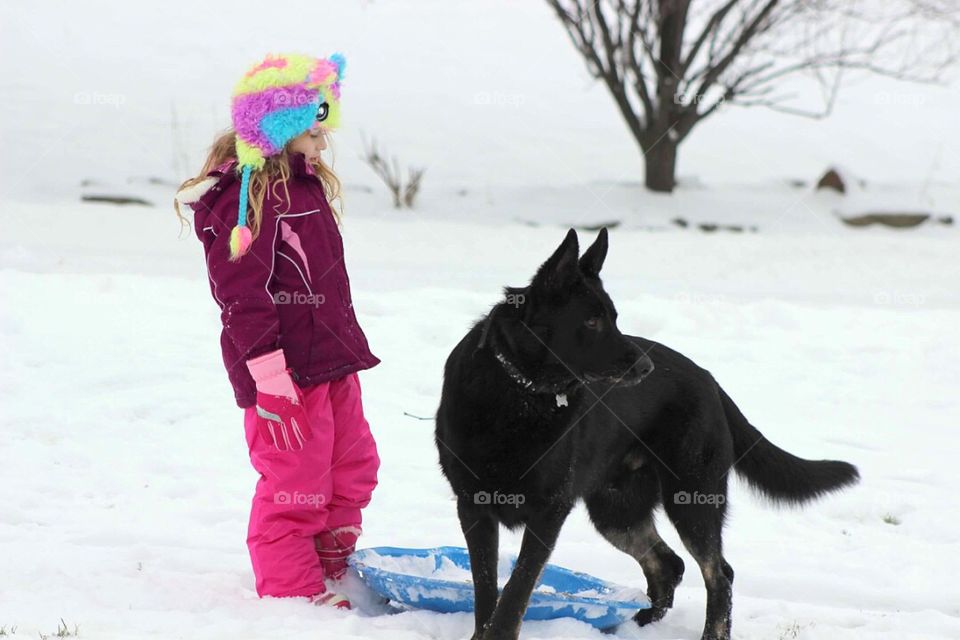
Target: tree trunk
[[661, 165]]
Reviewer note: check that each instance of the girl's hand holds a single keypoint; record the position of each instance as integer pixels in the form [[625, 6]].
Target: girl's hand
[[281, 416]]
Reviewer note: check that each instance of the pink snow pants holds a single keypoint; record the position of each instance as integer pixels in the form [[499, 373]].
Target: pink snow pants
[[302, 493]]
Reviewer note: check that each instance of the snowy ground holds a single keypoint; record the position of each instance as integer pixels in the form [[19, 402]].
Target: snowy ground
[[125, 475], [127, 483]]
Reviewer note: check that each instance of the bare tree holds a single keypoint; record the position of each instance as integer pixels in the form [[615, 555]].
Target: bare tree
[[671, 63], [404, 194]]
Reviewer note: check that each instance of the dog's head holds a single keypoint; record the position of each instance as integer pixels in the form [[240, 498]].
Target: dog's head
[[561, 329]]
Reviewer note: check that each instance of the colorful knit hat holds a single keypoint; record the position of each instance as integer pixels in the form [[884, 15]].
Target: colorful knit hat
[[276, 101]]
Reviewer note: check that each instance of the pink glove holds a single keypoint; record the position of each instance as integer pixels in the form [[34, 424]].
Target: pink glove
[[281, 417]]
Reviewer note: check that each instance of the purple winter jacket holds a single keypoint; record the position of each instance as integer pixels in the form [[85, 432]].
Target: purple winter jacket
[[291, 290]]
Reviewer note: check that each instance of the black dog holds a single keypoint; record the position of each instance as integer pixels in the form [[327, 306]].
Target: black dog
[[545, 402]]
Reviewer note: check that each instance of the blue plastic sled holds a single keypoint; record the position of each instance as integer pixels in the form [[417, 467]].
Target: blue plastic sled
[[439, 580]]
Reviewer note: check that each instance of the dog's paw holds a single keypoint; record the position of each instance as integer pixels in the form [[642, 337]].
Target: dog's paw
[[646, 616], [495, 634]]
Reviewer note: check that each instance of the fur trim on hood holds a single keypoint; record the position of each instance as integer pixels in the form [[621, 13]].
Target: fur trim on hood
[[192, 194]]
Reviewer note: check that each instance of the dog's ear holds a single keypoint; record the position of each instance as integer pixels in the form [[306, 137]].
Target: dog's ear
[[561, 268], [592, 259]]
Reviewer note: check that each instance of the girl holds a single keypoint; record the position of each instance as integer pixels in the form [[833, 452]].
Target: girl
[[291, 342]]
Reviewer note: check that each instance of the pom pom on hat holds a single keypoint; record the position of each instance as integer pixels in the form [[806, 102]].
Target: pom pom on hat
[[240, 240]]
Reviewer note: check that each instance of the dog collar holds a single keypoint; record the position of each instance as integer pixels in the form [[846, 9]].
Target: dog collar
[[523, 380]]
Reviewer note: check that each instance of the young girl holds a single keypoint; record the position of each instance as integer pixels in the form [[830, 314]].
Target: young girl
[[291, 342]]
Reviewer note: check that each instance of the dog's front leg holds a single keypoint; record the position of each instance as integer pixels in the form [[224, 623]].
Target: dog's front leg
[[539, 538], [482, 533]]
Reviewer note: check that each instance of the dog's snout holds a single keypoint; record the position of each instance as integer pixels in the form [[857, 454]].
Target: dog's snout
[[638, 368]]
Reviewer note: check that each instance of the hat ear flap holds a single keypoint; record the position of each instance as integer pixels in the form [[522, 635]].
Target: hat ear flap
[[341, 64]]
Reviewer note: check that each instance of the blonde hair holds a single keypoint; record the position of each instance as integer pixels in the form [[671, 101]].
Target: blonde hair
[[273, 175]]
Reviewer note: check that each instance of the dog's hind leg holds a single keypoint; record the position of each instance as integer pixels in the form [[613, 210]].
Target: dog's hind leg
[[662, 568], [623, 514], [697, 511]]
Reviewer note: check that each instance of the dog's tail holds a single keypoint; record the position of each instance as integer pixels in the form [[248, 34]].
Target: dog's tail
[[781, 476]]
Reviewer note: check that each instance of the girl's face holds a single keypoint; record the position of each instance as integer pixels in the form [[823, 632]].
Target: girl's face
[[310, 143]]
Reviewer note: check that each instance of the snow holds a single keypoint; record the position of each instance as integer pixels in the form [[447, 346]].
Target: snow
[[127, 509], [126, 480]]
